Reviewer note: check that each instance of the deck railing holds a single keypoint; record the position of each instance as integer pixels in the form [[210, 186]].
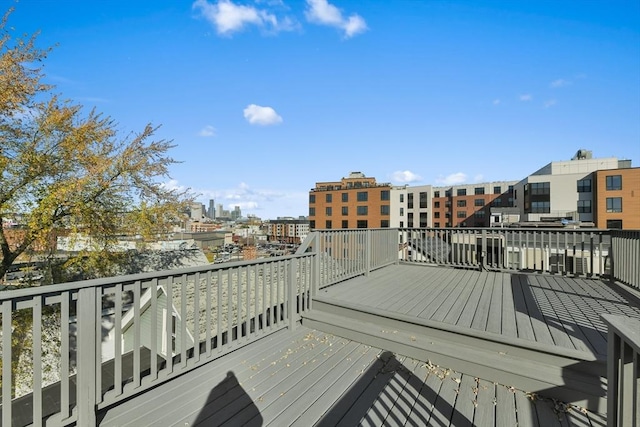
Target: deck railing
[[91, 344], [343, 254], [625, 256], [566, 251], [623, 371]]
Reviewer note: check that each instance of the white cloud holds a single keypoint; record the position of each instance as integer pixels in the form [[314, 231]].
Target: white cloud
[[478, 178], [265, 116], [550, 103], [323, 13], [207, 131], [228, 17], [405, 177], [526, 97], [453, 179], [496, 102], [174, 185], [559, 83]]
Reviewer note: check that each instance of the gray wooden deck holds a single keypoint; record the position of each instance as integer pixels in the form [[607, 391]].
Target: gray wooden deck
[[306, 377], [381, 368], [552, 311]]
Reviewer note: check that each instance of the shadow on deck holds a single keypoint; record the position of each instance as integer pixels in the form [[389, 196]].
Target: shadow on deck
[[539, 333]]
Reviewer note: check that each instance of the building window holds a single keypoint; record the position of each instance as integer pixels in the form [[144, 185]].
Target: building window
[[510, 189], [478, 191], [461, 203], [423, 219], [436, 204], [540, 188], [497, 202], [384, 210], [478, 202], [436, 194], [479, 214], [449, 193], [384, 195], [345, 210], [401, 211], [497, 189], [410, 200], [614, 223], [436, 224], [312, 198], [462, 214], [345, 223], [312, 224], [327, 224], [614, 182], [401, 198], [410, 220], [384, 223], [401, 224], [510, 202], [540, 207], [584, 186], [363, 196], [584, 206], [327, 211], [312, 211], [362, 210], [328, 197], [345, 197], [614, 204], [362, 223], [436, 214], [424, 199], [461, 192]]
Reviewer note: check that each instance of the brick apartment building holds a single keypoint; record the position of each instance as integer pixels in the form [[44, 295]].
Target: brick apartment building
[[353, 202], [616, 193], [287, 230], [470, 205]]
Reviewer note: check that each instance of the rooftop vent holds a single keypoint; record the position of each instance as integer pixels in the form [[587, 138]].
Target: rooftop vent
[[356, 175], [582, 154]]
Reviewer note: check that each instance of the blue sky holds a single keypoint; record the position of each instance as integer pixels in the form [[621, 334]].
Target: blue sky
[[264, 98]]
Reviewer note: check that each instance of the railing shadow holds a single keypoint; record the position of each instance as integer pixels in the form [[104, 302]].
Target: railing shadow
[[540, 308], [357, 405]]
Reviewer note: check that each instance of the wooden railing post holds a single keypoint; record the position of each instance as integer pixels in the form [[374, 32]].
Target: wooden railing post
[[367, 252], [86, 357], [292, 289]]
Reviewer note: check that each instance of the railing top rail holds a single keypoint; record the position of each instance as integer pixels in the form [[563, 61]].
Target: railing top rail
[[627, 328], [512, 229], [130, 278]]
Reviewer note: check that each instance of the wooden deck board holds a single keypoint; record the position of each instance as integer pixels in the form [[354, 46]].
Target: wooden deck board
[[465, 398], [324, 393], [468, 311], [547, 304], [494, 320], [509, 322], [440, 308], [422, 299], [449, 310], [449, 286], [481, 315]]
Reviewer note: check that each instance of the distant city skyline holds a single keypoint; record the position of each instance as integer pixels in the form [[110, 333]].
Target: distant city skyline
[[264, 99]]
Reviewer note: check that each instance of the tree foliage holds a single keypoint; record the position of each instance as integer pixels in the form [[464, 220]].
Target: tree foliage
[[65, 170]]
